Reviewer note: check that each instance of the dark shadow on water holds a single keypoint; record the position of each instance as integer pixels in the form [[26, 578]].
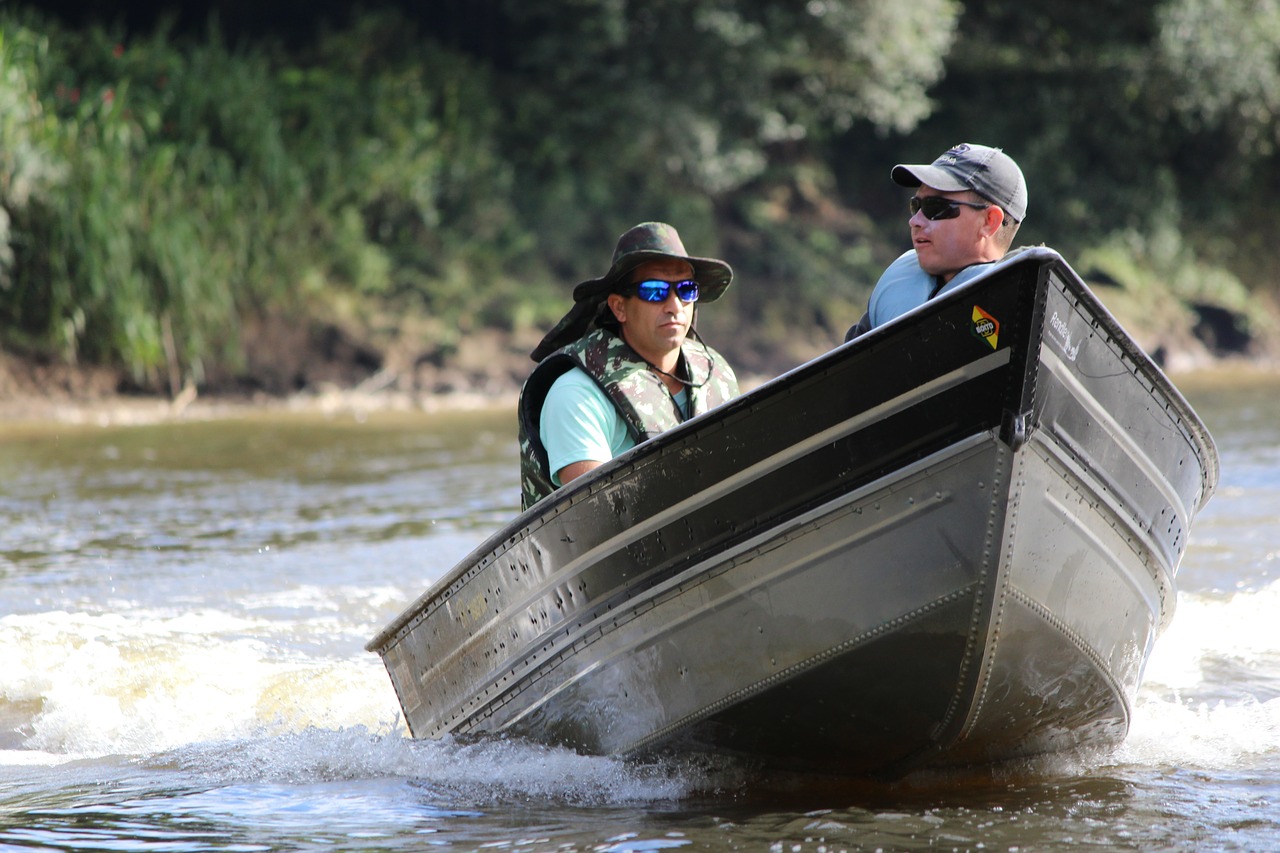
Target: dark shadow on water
[[1020, 785]]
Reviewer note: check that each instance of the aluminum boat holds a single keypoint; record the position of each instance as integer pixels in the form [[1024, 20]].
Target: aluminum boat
[[950, 541]]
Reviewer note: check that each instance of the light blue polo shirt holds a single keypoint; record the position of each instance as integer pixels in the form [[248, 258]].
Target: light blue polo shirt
[[579, 422], [904, 286]]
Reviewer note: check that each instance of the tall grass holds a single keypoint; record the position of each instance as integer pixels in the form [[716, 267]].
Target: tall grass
[[157, 195]]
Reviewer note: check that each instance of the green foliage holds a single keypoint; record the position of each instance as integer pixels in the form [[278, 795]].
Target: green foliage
[[463, 165], [162, 193], [670, 109], [160, 216], [1162, 281], [401, 162], [27, 161], [1225, 57], [1151, 266]]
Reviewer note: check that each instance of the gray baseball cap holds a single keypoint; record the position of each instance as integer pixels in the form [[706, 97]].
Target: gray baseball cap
[[989, 172]]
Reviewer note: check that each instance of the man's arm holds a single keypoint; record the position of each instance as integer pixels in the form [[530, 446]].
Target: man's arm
[[859, 328], [576, 469], [580, 427], [902, 286]]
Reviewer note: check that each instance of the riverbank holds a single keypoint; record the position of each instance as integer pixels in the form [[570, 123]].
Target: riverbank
[[81, 397], [282, 373], [292, 374], [84, 397]]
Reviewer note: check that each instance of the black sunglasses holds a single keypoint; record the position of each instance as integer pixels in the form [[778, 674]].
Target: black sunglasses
[[936, 207], [656, 290]]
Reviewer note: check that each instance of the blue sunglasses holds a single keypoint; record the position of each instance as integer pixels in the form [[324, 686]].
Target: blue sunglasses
[[656, 290]]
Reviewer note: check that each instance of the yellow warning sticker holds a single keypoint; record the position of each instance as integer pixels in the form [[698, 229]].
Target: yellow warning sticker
[[985, 326]]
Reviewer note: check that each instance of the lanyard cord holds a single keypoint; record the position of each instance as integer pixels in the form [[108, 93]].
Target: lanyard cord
[[687, 382]]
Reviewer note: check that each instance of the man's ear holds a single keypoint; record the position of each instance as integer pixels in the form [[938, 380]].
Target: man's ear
[[618, 305], [995, 218]]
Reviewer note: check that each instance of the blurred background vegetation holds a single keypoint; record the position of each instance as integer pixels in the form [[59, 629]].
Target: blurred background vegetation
[[223, 195]]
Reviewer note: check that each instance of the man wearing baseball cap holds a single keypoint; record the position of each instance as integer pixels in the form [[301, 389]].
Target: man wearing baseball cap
[[624, 364], [965, 212]]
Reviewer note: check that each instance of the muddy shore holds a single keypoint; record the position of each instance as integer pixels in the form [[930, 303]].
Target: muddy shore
[[87, 400], [326, 373]]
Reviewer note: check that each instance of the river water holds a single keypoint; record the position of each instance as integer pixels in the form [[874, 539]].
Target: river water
[[183, 610]]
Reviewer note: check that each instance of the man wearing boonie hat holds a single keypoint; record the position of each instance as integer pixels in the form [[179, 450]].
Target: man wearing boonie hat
[[621, 366], [966, 209]]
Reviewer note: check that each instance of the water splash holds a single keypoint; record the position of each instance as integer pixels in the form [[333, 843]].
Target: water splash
[[1211, 693], [1214, 636], [230, 700], [476, 773], [284, 700], [85, 685]]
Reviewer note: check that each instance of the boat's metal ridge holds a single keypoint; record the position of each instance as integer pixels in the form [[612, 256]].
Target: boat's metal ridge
[[1112, 427], [569, 637], [994, 545], [1083, 481], [1101, 317], [796, 669], [771, 463], [1076, 640]]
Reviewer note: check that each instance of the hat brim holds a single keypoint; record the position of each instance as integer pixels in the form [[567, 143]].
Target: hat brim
[[930, 176], [712, 274]]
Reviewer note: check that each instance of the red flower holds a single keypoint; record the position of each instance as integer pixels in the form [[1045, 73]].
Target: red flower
[[118, 51]]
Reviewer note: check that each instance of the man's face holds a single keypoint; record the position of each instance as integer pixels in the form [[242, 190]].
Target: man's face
[[655, 329], [946, 246]]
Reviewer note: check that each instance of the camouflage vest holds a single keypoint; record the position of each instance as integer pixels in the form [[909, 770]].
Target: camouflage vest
[[643, 401]]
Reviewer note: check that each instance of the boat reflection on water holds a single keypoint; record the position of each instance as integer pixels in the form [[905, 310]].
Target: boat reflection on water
[[951, 541]]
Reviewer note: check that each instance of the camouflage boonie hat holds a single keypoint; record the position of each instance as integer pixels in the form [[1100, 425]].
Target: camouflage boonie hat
[[648, 241]]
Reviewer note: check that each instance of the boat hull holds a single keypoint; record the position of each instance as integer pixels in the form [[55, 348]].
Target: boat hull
[[951, 541]]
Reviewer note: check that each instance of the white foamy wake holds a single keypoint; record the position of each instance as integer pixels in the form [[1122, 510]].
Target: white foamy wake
[[1211, 692], [1212, 631], [229, 699], [85, 685], [476, 773], [252, 698]]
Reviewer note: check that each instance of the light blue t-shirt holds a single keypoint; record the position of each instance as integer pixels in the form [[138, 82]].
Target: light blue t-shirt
[[904, 286], [579, 423]]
